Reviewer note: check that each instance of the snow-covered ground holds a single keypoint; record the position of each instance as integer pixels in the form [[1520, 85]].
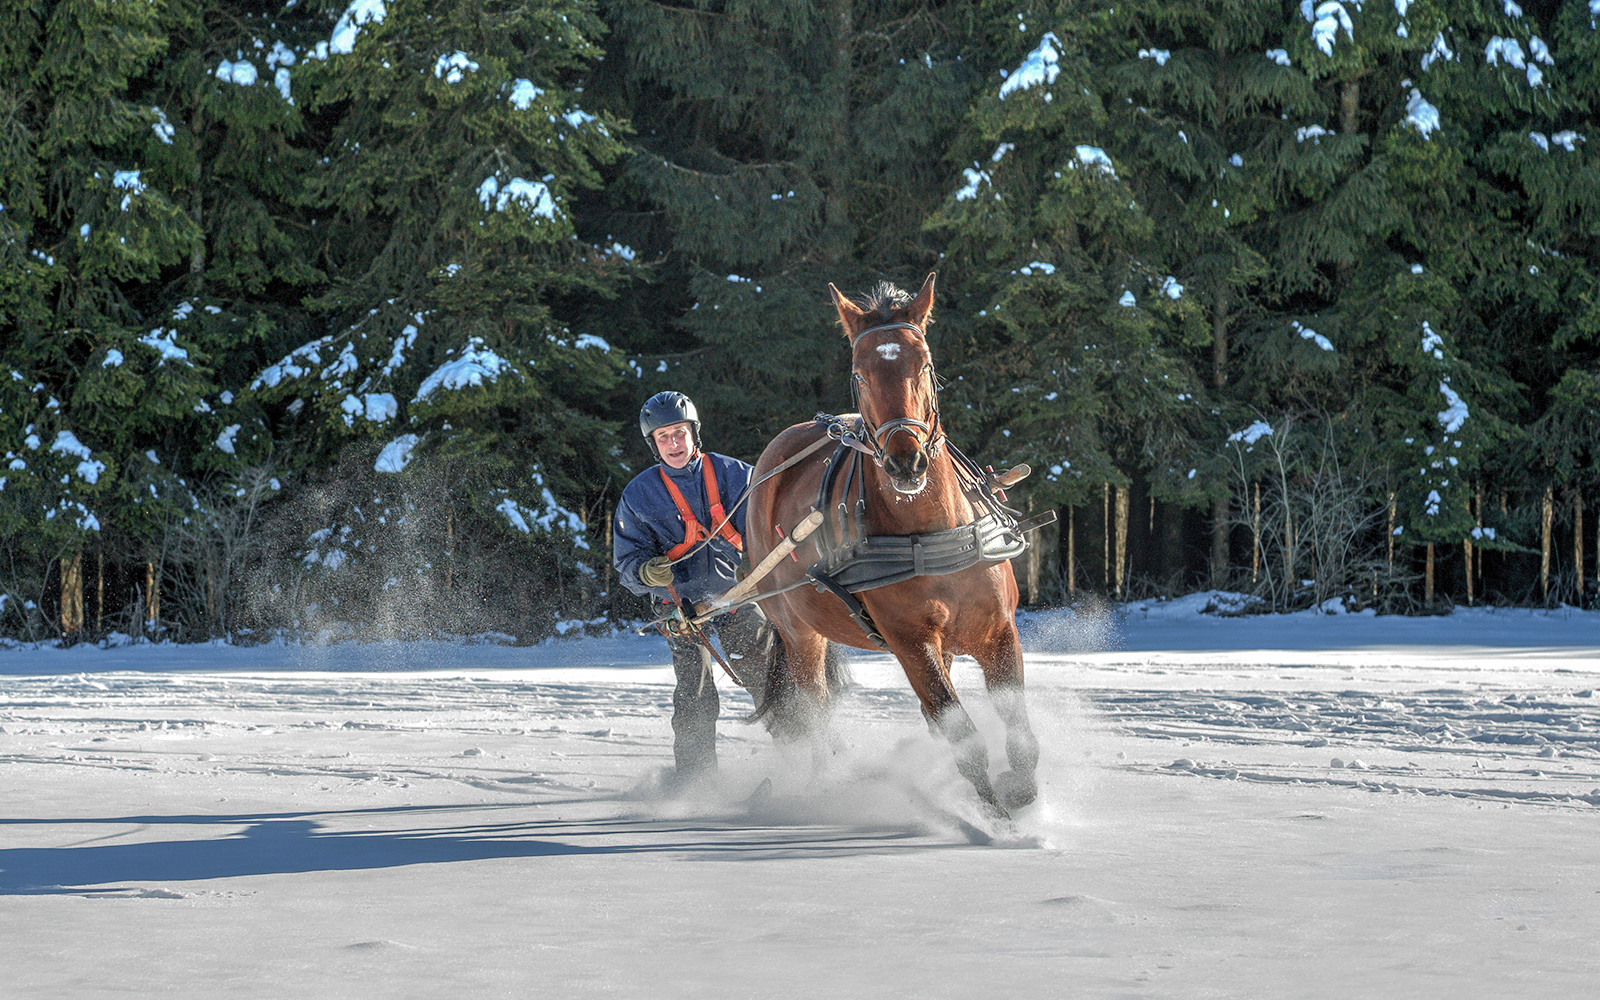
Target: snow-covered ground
[[1300, 806]]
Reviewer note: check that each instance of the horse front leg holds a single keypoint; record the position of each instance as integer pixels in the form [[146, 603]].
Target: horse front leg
[[1002, 673], [927, 668]]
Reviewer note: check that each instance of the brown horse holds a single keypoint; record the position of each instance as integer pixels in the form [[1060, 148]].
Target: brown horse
[[910, 487]]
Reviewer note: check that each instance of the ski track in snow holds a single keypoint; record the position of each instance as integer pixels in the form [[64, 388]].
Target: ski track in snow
[[527, 738], [1491, 745], [1306, 816]]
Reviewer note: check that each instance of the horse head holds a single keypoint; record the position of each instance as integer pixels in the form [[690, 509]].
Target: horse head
[[893, 380]]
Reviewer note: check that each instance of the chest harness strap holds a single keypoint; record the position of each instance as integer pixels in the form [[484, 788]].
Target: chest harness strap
[[693, 531]]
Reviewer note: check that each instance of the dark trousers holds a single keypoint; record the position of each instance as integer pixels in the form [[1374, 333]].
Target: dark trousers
[[748, 643]]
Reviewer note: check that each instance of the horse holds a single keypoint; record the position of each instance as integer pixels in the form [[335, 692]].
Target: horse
[[911, 490]]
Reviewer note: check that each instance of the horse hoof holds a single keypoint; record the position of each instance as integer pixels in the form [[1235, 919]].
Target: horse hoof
[[1014, 790]]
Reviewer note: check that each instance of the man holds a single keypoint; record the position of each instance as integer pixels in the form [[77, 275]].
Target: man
[[671, 541]]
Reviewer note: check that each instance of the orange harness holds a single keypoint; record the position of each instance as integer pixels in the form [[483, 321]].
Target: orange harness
[[693, 531]]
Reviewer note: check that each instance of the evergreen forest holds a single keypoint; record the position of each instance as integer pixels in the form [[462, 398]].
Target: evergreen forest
[[332, 318]]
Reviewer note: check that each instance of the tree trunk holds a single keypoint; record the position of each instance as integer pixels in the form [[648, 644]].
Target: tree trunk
[[1219, 542], [1105, 541], [100, 592], [449, 552], [1478, 519], [1255, 537], [1122, 537], [1349, 105], [1072, 552], [1034, 563], [1393, 516], [1577, 548], [1291, 569], [1349, 124], [1427, 579], [1219, 379], [152, 597], [1546, 523], [72, 593], [1466, 550], [838, 233]]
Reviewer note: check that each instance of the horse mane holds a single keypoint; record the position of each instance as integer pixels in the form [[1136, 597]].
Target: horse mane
[[880, 303]]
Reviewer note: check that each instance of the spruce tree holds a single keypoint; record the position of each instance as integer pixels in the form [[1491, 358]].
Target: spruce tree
[[318, 228], [93, 217], [778, 146], [1071, 329], [452, 139]]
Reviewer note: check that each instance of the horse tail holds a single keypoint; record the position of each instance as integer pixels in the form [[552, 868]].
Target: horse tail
[[777, 704], [777, 690], [836, 668]]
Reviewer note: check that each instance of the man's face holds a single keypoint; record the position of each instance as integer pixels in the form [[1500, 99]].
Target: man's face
[[675, 442]]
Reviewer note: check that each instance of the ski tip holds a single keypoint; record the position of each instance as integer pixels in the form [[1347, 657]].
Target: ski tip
[[763, 791]]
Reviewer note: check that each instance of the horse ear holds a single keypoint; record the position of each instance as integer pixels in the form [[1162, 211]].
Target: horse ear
[[921, 307], [849, 313]]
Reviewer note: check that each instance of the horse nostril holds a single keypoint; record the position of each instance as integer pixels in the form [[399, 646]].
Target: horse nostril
[[913, 466]]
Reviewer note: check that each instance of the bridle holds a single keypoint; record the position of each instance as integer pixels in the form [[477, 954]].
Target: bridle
[[929, 434]]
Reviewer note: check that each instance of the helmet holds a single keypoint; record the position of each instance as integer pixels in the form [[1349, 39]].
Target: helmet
[[667, 408]]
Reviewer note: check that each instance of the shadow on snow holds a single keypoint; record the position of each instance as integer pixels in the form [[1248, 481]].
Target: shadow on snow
[[292, 843]]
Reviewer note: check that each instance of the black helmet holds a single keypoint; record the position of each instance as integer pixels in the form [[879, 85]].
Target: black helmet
[[667, 408]]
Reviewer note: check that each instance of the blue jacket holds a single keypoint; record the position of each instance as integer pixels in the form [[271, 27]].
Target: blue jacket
[[648, 525]]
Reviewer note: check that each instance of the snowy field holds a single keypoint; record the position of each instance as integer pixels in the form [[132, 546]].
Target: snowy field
[[1300, 806]]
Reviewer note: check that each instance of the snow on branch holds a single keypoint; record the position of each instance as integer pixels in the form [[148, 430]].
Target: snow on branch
[[534, 196], [1454, 413], [1095, 157], [1420, 114], [1326, 22], [476, 366], [290, 367], [1306, 333], [1041, 66], [396, 455], [89, 468], [1251, 434], [453, 68], [349, 27], [523, 94]]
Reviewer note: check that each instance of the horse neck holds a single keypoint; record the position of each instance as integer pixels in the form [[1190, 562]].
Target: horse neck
[[941, 504]]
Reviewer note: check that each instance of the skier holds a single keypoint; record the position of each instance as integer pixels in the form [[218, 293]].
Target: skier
[[673, 540]]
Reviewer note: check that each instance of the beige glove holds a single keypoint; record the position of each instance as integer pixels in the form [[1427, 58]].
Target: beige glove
[[656, 573]]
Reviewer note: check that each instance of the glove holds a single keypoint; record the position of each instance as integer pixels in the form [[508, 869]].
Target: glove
[[656, 573], [681, 621]]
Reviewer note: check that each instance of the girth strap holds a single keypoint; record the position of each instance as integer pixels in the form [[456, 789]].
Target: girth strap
[[857, 610]]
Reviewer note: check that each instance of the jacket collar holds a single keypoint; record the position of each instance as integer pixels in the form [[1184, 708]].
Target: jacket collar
[[691, 469]]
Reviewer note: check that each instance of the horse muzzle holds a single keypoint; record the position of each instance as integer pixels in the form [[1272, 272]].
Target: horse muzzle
[[908, 473]]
